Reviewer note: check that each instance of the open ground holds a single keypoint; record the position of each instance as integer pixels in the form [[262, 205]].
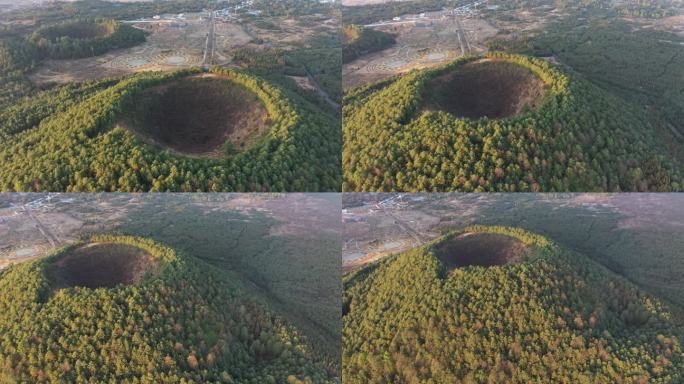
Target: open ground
[[423, 40], [430, 39], [184, 41]]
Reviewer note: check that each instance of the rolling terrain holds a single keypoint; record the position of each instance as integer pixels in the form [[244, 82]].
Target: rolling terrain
[[79, 145]]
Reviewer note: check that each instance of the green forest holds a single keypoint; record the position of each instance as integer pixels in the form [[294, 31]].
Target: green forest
[[359, 41], [556, 316], [78, 146], [613, 55], [295, 273], [184, 323], [65, 137], [581, 138], [82, 38]]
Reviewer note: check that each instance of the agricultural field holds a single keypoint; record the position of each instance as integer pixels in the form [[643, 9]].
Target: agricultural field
[[282, 249], [176, 41], [421, 42], [479, 287]]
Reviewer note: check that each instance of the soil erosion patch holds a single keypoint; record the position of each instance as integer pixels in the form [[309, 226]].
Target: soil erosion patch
[[199, 116], [494, 89], [101, 265], [483, 249]]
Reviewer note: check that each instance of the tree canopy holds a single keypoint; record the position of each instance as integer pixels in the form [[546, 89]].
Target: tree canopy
[[555, 317], [358, 41], [581, 138], [50, 146], [185, 324], [84, 37]]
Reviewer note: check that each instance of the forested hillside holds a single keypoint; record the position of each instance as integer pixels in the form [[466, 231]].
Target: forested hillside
[[550, 315], [81, 38], [56, 143], [74, 138], [358, 41], [181, 322], [579, 138]]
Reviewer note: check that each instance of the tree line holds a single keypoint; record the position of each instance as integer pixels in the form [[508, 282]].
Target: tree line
[[359, 41]]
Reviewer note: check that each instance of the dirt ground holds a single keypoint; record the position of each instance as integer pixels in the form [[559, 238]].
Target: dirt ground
[[483, 249], [101, 265], [422, 42], [171, 44], [175, 43], [303, 82], [198, 115], [376, 229], [436, 38], [33, 225]]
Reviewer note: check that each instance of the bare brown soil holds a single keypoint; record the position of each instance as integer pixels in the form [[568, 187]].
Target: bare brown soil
[[493, 88], [483, 249], [199, 116], [101, 265]]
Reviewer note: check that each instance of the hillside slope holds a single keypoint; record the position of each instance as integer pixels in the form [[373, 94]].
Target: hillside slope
[[55, 143], [158, 317], [568, 135], [550, 315]]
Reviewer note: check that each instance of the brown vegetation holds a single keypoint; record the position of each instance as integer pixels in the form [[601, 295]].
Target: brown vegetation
[[492, 88], [199, 116], [483, 249], [101, 265]]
